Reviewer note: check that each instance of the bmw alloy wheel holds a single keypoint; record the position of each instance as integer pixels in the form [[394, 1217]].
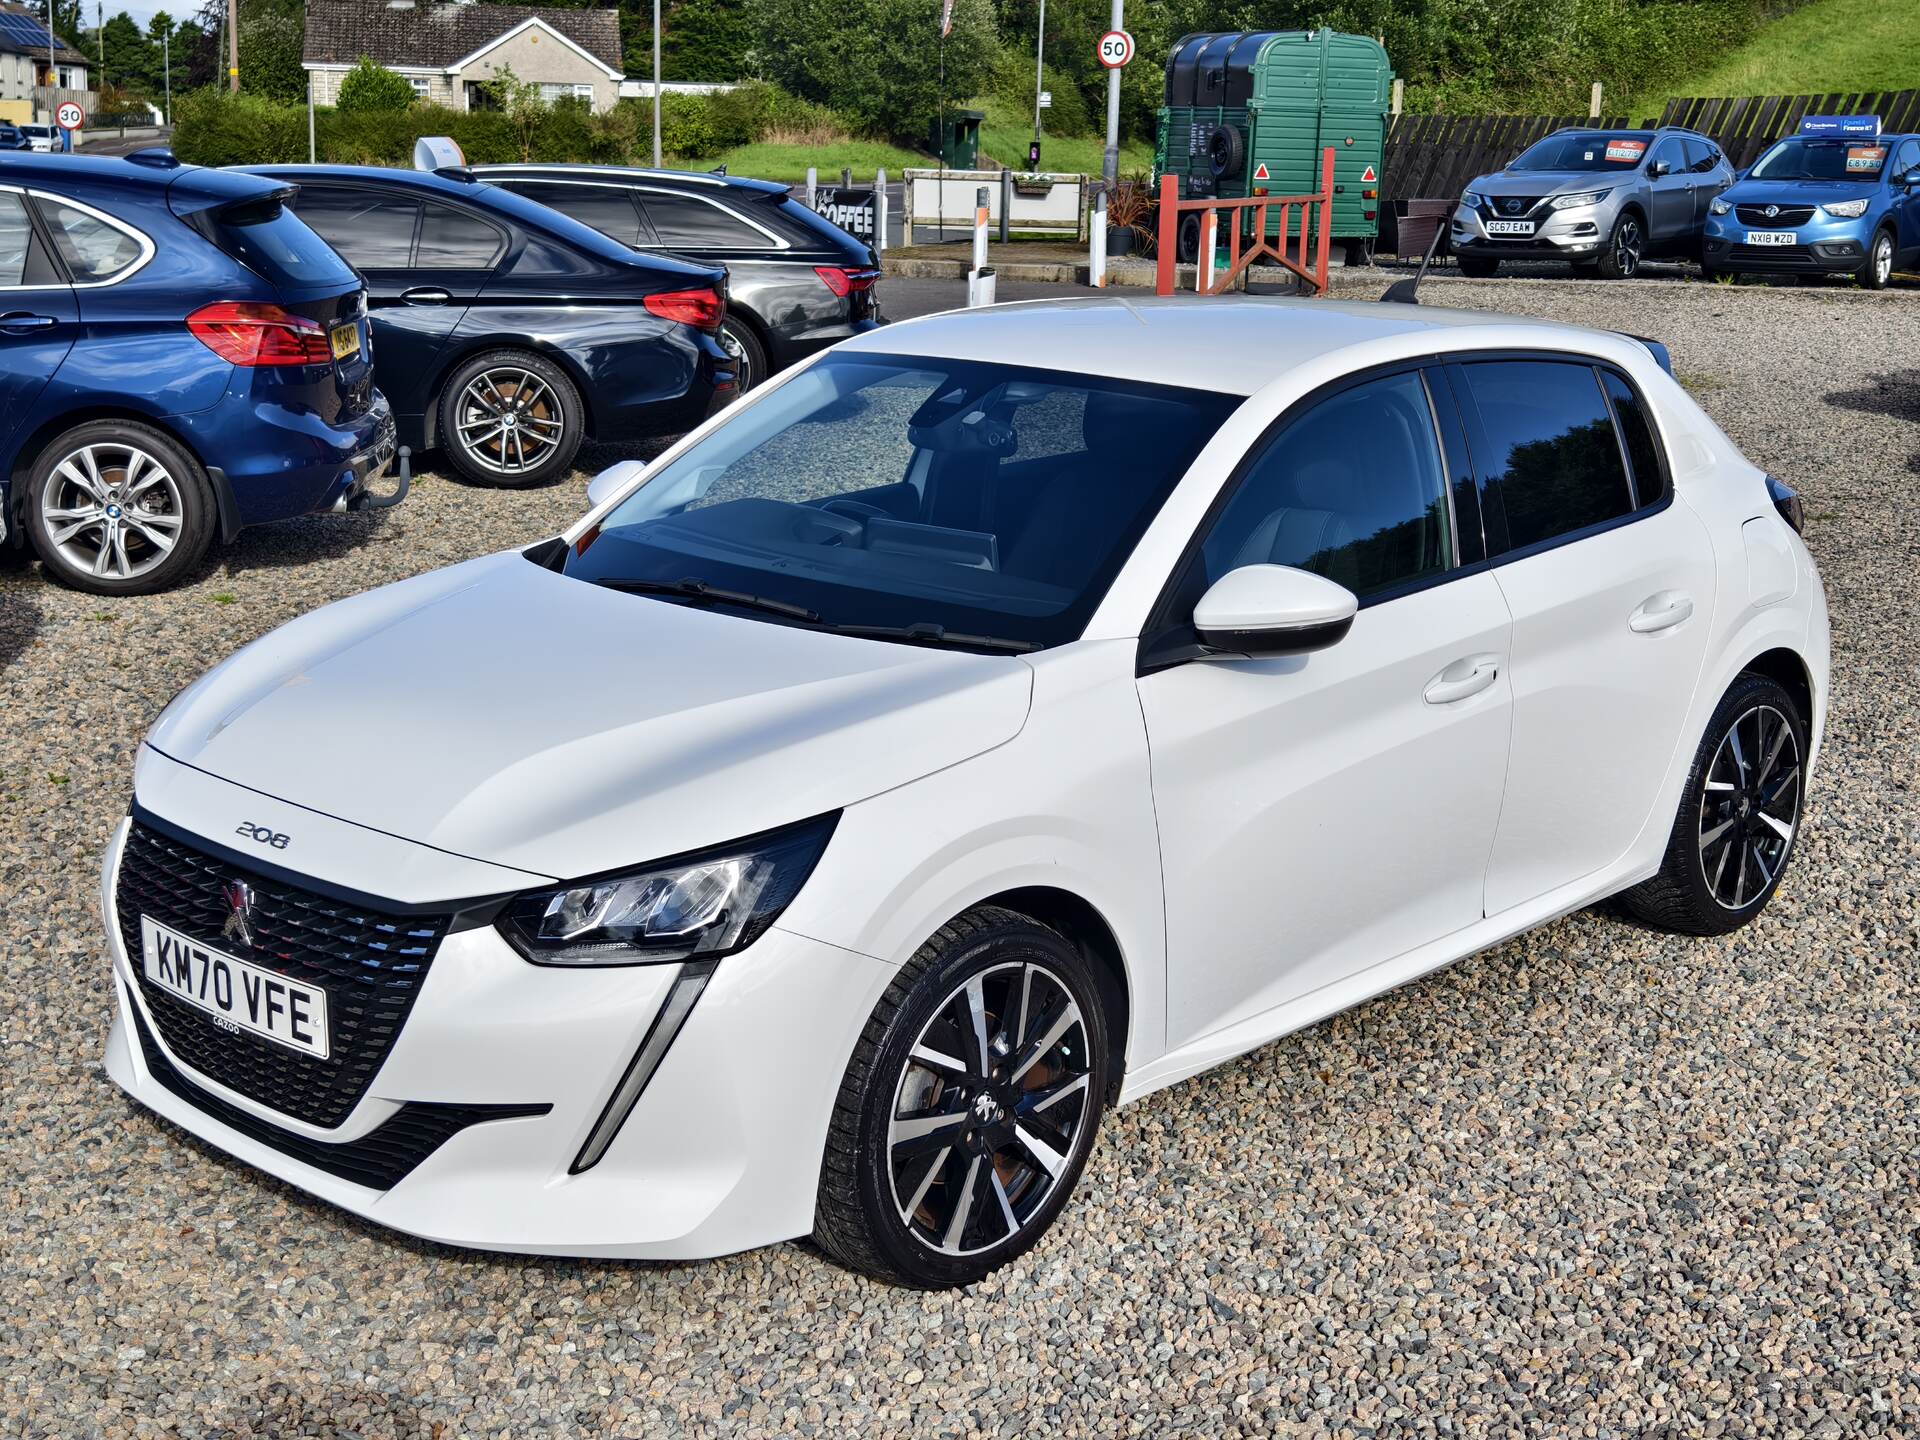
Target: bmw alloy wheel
[[1749, 807], [112, 510], [509, 421], [989, 1109]]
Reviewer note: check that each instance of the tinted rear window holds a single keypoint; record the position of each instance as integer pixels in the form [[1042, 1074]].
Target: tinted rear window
[[1550, 447], [604, 208], [277, 245], [451, 240], [684, 220]]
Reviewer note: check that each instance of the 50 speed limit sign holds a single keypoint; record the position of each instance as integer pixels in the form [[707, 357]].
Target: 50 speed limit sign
[[1115, 49]]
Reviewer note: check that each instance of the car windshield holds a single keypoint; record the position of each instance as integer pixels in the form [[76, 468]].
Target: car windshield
[[935, 501], [1595, 150], [1822, 160]]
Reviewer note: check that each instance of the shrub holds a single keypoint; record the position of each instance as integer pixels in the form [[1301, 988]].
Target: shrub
[[213, 127], [370, 86], [270, 46], [686, 125], [1068, 115]]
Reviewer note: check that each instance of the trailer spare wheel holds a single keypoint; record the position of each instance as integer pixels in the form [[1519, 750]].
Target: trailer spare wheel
[[1226, 151]]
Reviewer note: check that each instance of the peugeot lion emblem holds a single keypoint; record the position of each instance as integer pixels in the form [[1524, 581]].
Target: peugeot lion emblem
[[1771, 211], [239, 924]]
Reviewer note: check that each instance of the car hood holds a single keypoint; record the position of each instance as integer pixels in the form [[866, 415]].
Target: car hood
[[1798, 192], [1549, 182], [507, 713]]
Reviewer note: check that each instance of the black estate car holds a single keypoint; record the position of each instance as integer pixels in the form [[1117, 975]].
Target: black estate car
[[796, 282], [505, 334]]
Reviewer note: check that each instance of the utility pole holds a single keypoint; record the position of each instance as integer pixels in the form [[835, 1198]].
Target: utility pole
[[53, 67], [656, 84], [100, 20], [1110, 161], [233, 45], [166, 66], [1039, 67]]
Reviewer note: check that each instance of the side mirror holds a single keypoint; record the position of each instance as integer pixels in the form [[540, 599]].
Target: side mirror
[[1659, 169], [612, 480], [1273, 610]]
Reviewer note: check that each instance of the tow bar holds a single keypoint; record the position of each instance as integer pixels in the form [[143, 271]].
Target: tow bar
[[367, 500]]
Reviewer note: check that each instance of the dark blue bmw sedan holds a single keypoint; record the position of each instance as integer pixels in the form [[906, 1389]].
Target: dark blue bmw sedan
[[179, 357], [508, 333]]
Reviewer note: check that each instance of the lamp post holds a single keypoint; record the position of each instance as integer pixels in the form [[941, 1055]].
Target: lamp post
[[1039, 68], [656, 84]]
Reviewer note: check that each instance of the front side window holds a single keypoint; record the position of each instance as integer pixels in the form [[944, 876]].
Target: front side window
[[1354, 490], [1597, 151], [964, 501], [1669, 153], [1908, 159], [695, 224], [94, 250], [601, 207], [373, 231], [16, 234], [453, 240], [1550, 448]]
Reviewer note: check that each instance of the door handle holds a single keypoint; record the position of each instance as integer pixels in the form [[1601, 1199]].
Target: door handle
[[425, 295], [21, 320], [1660, 612], [1468, 676]]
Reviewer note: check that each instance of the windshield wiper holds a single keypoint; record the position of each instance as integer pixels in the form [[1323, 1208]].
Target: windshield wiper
[[700, 590], [927, 633]]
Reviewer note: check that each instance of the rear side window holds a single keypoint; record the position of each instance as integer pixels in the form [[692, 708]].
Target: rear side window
[[277, 245], [95, 251], [15, 235], [1636, 432], [1549, 447], [1701, 156], [453, 240], [600, 207], [684, 220], [373, 231]]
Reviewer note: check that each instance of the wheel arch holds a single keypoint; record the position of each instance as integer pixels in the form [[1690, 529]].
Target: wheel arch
[[1081, 922], [28, 448], [1787, 669]]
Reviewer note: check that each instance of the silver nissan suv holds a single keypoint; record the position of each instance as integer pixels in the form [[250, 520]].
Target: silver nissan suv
[[1601, 200]]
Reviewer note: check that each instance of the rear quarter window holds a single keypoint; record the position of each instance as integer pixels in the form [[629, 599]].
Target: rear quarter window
[[96, 250], [697, 224], [1643, 445]]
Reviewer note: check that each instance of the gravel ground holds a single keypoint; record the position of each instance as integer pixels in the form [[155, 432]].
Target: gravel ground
[[1596, 1182]]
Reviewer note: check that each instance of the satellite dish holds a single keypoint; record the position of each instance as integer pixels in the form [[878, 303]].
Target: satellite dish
[[437, 152]]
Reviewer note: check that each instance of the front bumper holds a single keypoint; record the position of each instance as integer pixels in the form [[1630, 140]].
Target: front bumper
[[1822, 246], [721, 1152], [1564, 235]]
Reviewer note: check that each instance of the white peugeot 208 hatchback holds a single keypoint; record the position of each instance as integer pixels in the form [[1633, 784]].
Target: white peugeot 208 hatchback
[[1004, 716]]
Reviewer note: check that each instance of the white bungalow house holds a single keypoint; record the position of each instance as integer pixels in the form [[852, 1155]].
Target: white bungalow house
[[448, 51]]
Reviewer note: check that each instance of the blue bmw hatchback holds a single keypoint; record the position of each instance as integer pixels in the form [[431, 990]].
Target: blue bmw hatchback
[[180, 356]]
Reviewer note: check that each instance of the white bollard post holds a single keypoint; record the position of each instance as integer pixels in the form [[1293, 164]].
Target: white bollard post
[[813, 185], [1097, 247], [980, 288], [981, 211], [1209, 235], [880, 212]]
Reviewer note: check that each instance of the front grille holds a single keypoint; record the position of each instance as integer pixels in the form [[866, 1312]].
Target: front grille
[[1496, 206], [1789, 216], [370, 964], [380, 1159]]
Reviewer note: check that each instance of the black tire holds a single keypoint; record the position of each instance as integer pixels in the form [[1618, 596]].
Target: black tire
[[157, 517], [1626, 244], [1877, 273], [860, 1218], [1226, 152], [1186, 243], [739, 339], [484, 445], [1478, 267], [1359, 254], [1695, 893]]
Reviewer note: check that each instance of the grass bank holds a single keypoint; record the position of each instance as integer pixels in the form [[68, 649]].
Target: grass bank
[[1824, 48]]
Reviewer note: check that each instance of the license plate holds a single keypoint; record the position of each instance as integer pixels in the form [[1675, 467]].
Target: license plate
[[238, 995], [1771, 237], [346, 341], [1509, 227]]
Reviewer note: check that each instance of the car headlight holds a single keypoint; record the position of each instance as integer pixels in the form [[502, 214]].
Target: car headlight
[[707, 904], [1719, 206], [1847, 209], [1585, 197], [1471, 200]]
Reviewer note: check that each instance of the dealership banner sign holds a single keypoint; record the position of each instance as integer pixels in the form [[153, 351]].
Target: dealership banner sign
[[851, 207]]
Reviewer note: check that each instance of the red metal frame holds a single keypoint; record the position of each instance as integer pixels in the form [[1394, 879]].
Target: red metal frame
[[1316, 216]]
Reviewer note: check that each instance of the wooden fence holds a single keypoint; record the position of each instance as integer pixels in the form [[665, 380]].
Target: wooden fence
[[1745, 125], [1433, 156]]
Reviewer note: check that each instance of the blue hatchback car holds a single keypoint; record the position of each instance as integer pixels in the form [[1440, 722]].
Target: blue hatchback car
[[180, 356], [1839, 198]]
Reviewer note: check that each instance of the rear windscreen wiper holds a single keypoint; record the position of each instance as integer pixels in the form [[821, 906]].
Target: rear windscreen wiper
[[700, 590], [926, 633]]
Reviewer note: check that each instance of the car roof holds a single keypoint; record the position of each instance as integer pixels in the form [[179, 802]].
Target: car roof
[[701, 179], [89, 171], [431, 181], [1236, 345]]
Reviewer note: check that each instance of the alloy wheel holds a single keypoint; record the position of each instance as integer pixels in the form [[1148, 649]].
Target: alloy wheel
[[1626, 246], [112, 510], [1882, 259], [989, 1109], [743, 377], [510, 421], [1749, 807]]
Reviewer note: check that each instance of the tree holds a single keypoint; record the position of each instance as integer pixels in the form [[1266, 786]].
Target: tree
[[371, 86], [880, 64], [271, 42], [520, 101], [701, 40]]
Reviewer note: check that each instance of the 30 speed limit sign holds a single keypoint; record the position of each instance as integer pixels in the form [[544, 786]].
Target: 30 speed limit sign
[[69, 116], [1115, 49]]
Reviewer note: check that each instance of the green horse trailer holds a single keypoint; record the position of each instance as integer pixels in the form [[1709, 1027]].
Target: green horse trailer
[[1251, 111]]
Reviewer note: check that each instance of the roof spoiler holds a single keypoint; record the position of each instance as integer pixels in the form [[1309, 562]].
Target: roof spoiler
[[1407, 292], [1654, 348]]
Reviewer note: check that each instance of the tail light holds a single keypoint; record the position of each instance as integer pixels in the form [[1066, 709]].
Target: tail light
[[844, 282], [703, 308], [255, 334], [1369, 194]]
